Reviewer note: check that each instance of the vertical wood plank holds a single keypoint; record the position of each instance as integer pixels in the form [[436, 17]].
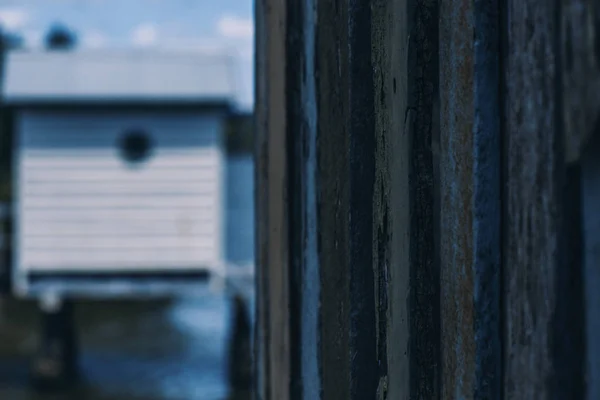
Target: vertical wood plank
[[422, 127], [470, 207], [273, 334], [404, 55], [333, 193], [542, 266], [391, 212], [364, 371], [578, 371], [579, 73], [590, 192], [305, 285], [531, 198]]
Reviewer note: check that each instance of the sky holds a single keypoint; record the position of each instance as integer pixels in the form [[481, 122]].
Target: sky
[[204, 24]]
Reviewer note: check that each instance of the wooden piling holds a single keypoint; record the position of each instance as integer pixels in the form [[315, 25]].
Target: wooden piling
[[56, 364], [426, 200]]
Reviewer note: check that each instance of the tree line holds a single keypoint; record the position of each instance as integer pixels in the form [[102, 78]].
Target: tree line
[[58, 37]]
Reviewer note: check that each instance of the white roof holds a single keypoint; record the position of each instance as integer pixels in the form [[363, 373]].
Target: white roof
[[118, 75]]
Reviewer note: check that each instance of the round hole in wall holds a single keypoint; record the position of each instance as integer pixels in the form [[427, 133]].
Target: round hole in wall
[[135, 146]]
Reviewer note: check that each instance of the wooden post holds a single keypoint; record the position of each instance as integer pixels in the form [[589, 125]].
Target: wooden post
[[427, 199], [239, 354], [348, 284], [57, 363], [272, 350]]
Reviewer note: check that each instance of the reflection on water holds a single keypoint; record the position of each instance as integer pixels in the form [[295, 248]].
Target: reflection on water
[[129, 350], [142, 349]]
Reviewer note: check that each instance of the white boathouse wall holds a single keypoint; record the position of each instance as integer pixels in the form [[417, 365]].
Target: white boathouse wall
[[81, 207]]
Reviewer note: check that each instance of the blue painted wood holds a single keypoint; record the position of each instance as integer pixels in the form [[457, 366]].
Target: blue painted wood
[[82, 207]]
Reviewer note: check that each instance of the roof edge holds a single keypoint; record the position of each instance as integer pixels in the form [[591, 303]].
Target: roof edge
[[116, 101], [225, 106]]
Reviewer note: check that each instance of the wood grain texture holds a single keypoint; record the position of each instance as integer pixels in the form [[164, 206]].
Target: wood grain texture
[[532, 200], [273, 334], [548, 120], [470, 206], [580, 73], [417, 200], [333, 193], [422, 125], [391, 212], [456, 158], [591, 228]]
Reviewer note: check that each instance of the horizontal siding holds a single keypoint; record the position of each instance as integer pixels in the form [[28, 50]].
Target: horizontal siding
[[113, 228], [178, 202], [56, 243], [107, 188], [82, 207], [73, 142], [119, 214], [92, 153], [126, 175]]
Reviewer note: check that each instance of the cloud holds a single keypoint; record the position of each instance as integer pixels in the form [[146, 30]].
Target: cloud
[[94, 39], [13, 18], [235, 27], [144, 35], [205, 45]]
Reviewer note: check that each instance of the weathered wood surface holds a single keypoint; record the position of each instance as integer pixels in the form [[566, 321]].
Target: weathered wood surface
[[433, 175], [272, 348], [542, 264], [470, 206], [358, 131], [333, 192], [579, 112], [394, 116], [590, 191], [579, 73], [532, 200]]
